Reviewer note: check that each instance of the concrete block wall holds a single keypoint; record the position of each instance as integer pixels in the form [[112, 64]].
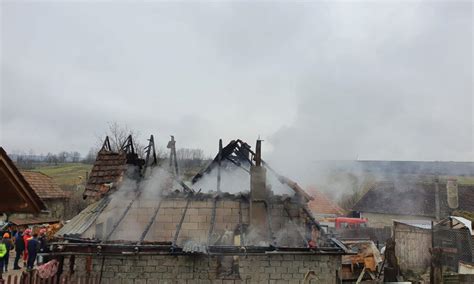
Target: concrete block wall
[[201, 269]]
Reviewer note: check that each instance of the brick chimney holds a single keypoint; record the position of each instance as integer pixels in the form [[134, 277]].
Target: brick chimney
[[258, 190]]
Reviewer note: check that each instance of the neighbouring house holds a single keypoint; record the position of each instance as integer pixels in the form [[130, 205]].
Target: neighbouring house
[[51, 194], [234, 223], [28, 186], [388, 201], [53, 197], [321, 206], [17, 195]]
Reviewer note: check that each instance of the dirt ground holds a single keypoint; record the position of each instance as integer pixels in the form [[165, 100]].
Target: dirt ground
[[10, 267]]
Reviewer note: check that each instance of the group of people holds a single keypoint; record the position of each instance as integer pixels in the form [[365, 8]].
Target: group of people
[[26, 245]]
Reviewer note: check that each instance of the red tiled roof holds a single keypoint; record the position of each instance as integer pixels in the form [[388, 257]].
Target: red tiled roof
[[44, 185], [321, 204], [108, 169]]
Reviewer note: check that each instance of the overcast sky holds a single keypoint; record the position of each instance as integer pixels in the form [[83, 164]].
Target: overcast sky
[[320, 80]]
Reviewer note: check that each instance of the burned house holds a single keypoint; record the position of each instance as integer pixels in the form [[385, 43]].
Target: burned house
[[232, 222], [389, 201]]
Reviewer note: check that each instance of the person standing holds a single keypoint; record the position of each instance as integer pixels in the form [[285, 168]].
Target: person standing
[[26, 237], [19, 248], [32, 247], [8, 245], [43, 245], [3, 252]]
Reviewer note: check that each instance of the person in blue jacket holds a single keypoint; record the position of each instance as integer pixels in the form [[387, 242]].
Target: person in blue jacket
[[32, 247], [19, 248]]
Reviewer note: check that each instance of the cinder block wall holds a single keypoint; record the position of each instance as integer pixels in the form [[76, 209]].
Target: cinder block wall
[[201, 269]]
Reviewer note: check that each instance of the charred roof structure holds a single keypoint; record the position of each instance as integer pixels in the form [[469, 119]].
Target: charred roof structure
[[154, 212], [111, 167], [168, 215]]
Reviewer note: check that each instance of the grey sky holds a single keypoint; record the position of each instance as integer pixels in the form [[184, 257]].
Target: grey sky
[[366, 80]]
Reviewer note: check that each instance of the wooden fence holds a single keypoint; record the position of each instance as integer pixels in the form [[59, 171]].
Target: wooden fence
[[33, 277], [412, 247]]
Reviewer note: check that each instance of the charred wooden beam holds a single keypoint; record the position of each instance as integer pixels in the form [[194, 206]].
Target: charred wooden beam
[[311, 217], [150, 223], [219, 164], [127, 145], [237, 164], [213, 220], [168, 249], [296, 226], [180, 224], [173, 158], [271, 234], [150, 154], [106, 144], [124, 213]]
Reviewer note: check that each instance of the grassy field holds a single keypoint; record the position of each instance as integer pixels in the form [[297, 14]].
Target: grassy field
[[66, 174]]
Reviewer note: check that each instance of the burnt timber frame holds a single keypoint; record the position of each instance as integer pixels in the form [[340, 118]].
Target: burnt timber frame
[[296, 226], [213, 220], [150, 223], [180, 224], [137, 195], [166, 248]]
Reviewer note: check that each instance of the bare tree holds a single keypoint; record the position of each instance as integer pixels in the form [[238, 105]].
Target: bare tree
[[63, 156], [190, 159], [91, 156], [51, 158], [75, 156]]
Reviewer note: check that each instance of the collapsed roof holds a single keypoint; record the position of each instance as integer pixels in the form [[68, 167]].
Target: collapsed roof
[[111, 167], [158, 211]]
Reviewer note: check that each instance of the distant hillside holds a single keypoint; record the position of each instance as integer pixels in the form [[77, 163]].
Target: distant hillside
[[67, 174]]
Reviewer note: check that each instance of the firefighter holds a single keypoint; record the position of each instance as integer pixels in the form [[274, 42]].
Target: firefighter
[[26, 238]]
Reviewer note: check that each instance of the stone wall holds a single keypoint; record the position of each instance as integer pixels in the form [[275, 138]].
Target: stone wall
[[146, 269], [55, 210]]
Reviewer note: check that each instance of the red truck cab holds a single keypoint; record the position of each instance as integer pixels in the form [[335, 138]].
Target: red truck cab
[[346, 222]]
